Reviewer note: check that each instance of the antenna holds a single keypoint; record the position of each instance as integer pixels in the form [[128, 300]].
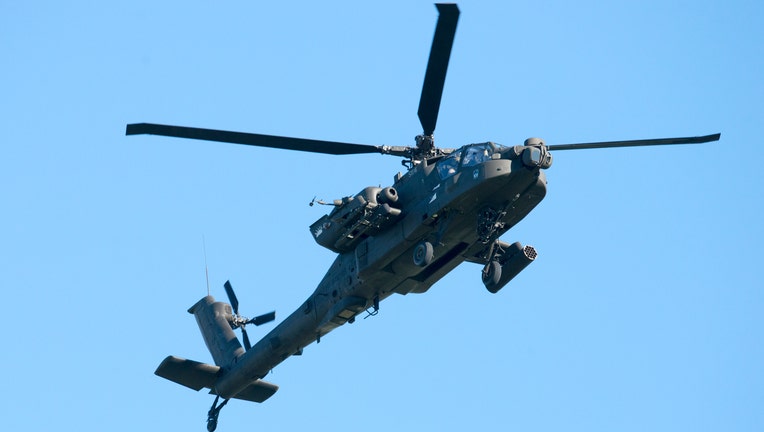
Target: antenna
[[206, 272]]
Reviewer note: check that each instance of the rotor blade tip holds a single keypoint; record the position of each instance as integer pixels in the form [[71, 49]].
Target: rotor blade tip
[[447, 7]]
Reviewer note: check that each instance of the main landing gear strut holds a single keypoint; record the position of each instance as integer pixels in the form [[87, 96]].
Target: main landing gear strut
[[213, 413]]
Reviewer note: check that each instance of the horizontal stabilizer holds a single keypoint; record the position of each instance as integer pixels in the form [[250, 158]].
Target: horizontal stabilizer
[[189, 373], [258, 391], [196, 376]]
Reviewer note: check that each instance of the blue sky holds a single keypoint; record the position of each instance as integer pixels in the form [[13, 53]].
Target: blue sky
[[642, 312]]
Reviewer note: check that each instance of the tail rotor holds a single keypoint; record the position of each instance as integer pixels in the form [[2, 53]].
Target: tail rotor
[[238, 321]]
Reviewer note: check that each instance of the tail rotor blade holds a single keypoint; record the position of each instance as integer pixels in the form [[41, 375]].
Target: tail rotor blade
[[247, 344], [231, 297], [262, 319], [437, 65]]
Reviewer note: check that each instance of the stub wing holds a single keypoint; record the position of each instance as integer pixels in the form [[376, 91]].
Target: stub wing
[[196, 376]]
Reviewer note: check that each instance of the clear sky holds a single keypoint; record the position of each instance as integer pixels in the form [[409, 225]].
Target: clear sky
[[642, 312]]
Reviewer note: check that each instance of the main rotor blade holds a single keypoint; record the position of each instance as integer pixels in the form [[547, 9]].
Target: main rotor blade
[[279, 142], [437, 65], [262, 319], [636, 143], [231, 297]]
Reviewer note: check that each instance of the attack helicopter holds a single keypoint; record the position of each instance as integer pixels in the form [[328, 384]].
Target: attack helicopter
[[450, 206]]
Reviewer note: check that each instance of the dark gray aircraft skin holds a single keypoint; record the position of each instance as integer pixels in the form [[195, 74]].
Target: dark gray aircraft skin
[[451, 206], [440, 211]]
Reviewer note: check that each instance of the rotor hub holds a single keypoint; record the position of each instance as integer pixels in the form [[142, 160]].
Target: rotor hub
[[425, 145]]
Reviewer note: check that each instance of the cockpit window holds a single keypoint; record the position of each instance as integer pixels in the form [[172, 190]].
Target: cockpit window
[[448, 166], [477, 154], [466, 156]]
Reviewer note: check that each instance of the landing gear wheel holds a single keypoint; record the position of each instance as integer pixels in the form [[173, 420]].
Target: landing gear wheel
[[423, 253], [491, 276], [212, 424]]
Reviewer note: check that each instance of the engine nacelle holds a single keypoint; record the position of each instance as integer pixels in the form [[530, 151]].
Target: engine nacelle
[[387, 195], [509, 264], [355, 218]]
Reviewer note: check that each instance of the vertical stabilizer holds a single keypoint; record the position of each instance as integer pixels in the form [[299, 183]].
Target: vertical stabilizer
[[214, 322]]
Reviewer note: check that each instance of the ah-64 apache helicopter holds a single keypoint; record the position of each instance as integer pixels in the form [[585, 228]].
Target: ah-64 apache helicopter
[[451, 206]]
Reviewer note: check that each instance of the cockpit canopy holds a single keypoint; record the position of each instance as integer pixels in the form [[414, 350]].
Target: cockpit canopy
[[466, 156]]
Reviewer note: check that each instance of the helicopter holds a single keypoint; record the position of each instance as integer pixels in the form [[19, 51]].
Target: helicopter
[[452, 205]]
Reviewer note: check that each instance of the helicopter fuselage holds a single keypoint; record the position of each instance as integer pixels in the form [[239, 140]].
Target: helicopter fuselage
[[451, 206], [457, 205]]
